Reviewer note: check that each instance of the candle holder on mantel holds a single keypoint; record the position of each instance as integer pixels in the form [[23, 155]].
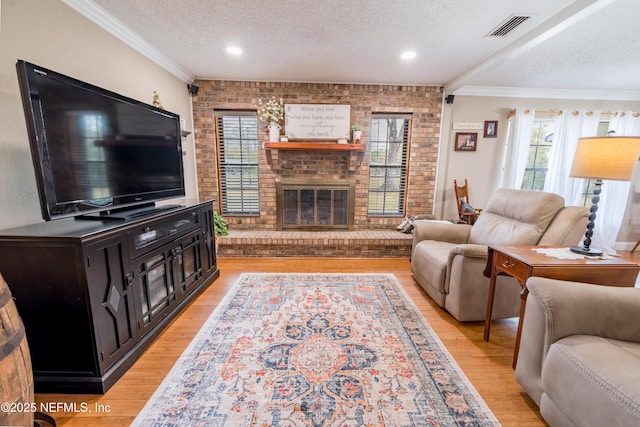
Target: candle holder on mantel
[[357, 133]]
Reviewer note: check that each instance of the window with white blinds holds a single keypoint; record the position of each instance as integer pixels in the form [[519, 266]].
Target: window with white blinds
[[238, 157], [388, 165]]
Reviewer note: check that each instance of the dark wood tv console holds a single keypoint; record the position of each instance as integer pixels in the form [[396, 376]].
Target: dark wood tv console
[[94, 293]]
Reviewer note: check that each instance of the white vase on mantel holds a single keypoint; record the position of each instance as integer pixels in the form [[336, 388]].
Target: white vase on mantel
[[274, 132]]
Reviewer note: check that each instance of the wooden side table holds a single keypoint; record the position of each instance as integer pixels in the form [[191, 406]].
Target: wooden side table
[[522, 262]]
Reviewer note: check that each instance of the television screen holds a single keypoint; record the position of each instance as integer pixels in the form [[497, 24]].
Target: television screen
[[94, 150]]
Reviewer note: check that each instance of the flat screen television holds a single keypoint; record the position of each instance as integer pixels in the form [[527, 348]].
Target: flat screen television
[[96, 152]]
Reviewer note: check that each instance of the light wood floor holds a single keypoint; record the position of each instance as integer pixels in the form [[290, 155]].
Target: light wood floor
[[487, 365]]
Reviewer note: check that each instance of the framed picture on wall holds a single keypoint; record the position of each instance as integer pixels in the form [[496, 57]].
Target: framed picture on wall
[[490, 128], [466, 141]]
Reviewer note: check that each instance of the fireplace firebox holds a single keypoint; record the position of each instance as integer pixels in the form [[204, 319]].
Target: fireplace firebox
[[315, 204]]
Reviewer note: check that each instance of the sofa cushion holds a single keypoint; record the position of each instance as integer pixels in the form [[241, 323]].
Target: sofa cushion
[[593, 380], [515, 217]]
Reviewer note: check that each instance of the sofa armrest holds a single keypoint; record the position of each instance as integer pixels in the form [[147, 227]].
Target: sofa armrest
[[573, 308], [440, 231], [469, 250]]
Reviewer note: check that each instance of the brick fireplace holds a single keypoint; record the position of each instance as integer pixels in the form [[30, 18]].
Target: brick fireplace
[[423, 103]]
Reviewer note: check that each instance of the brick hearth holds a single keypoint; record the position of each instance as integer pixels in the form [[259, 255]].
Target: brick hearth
[[363, 243]]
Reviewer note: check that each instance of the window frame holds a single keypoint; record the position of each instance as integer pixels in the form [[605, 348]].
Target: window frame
[[248, 205], [589, 185], [535, 168], [403, 168]]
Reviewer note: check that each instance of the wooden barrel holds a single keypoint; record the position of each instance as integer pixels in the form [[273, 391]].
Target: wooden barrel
[[16, 380]]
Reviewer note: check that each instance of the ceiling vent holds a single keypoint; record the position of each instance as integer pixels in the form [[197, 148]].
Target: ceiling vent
[[510, 24]]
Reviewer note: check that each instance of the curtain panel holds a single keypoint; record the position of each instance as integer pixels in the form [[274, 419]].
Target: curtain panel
[[615, 194], [518, 148], [570, 126]]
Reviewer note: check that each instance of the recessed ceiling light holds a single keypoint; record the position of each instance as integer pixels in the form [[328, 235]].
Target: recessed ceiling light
[[408, 55], [234, 50]]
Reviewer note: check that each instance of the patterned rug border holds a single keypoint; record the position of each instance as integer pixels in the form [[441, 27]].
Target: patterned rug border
[[223, 306]]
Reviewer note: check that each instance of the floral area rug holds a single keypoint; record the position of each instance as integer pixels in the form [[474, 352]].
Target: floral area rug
[[316, 350]]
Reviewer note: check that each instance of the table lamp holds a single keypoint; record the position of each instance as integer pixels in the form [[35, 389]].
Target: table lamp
[[603, 157]]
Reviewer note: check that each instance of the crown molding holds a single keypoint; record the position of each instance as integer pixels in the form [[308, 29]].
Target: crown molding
[[113, 26], [523, 92]]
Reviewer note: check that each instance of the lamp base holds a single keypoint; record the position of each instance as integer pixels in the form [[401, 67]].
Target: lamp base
[[586, 251]]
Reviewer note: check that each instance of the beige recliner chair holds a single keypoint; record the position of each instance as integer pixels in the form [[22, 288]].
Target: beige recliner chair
[[448, 260], [579, 357]]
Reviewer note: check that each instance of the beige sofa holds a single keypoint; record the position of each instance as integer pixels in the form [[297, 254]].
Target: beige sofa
[[448, 260], [579, 356]]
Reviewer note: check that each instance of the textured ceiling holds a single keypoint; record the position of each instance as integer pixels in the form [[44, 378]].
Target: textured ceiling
[[584, 46]]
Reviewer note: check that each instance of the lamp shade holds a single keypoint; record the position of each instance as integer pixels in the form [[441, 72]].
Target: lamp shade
[[606, 157]]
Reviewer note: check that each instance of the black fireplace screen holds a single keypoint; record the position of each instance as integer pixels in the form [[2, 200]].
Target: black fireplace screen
[[315, 205]]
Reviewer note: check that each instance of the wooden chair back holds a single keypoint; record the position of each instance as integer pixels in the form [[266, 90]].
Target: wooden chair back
[[462, 195]]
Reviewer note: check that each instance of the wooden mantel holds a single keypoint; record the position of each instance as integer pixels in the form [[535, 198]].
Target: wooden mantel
[[351, 149], [317, 146]]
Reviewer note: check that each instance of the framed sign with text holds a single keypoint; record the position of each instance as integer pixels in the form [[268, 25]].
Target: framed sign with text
[[317, 121]]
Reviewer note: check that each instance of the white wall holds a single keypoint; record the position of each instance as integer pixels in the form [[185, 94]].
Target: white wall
[[52, 35], [483, 167]]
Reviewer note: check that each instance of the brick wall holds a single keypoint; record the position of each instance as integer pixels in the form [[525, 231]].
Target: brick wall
[[424, 102]]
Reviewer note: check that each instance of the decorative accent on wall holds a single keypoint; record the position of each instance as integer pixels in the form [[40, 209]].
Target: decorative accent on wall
[[466, 141], [317, 121], [466, 125], [491, 129], [156, 100]]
